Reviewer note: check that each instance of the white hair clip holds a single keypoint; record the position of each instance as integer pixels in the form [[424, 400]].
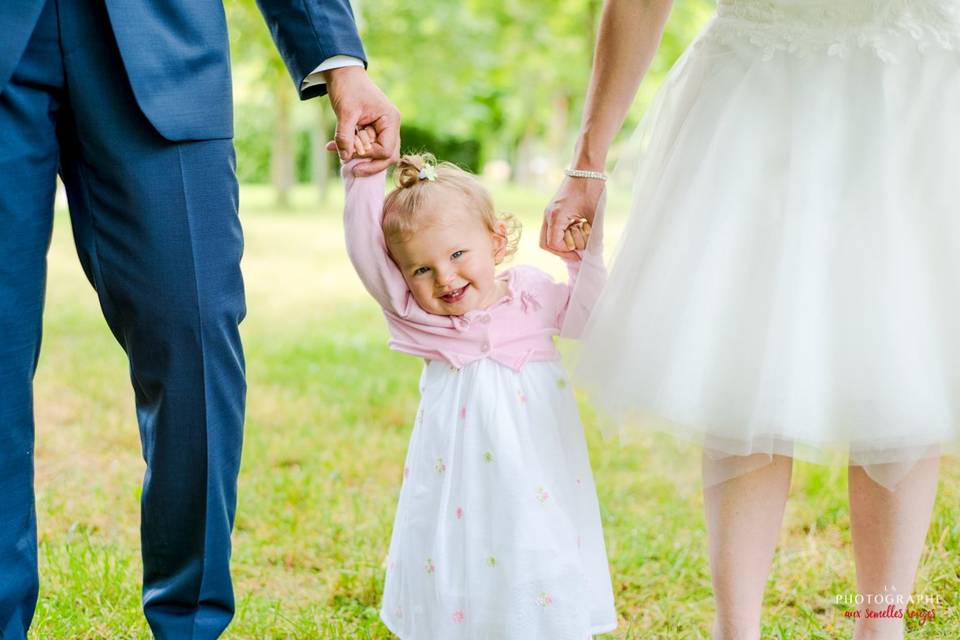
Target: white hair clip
[[428, 172]]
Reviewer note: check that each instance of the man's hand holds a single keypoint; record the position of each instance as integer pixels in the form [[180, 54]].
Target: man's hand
[[569, 215], [359, 104]]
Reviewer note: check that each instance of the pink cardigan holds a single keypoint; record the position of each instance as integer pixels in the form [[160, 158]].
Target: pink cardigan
[[517, 329]]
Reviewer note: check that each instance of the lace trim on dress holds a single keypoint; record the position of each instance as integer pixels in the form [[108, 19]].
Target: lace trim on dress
[[805, 27]]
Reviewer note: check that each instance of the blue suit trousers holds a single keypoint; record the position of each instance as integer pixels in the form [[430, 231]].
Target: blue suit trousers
[[156, 229]]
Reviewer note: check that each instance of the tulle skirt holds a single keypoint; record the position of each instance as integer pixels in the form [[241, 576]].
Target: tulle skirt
[[788, 280], [497, 533]]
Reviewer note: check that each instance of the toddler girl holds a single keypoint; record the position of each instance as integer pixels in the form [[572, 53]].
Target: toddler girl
[[497, 533]]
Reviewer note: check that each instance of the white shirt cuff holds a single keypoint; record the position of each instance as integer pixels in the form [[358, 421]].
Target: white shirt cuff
[[334, 62]]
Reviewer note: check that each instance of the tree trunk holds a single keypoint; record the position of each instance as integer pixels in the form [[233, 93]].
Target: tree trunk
[[320, 157], [281, 155], [558, 129], [523, 162], [594, 7]]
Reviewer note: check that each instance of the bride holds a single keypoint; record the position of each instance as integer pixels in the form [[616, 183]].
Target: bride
[[786, 284]]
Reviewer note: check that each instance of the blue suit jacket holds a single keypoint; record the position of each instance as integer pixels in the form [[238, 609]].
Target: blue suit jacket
[[177, 59]]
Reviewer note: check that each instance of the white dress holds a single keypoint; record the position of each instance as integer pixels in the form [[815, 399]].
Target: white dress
[[788, 281], [497, 534]]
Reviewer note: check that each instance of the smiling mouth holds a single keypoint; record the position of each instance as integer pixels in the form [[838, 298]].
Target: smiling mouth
[[455, 296]]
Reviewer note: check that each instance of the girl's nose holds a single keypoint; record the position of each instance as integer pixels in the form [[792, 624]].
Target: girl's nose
[[444, 278]]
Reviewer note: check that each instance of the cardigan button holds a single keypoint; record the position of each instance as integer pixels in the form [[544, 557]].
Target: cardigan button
[[485, 347]]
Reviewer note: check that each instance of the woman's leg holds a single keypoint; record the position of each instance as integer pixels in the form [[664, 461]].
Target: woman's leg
[[888, 530], [744, 515]]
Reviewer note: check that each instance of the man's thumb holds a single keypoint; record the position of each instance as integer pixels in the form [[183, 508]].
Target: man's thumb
[[346, 127]]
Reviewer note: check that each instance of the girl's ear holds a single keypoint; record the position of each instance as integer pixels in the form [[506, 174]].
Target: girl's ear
[[499, 237]]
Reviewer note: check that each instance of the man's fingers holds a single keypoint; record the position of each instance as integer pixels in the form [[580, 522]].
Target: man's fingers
[[388, 133], [346, 128]]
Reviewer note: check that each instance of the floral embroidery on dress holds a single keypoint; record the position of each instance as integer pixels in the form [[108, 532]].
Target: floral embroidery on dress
[[488, 456], [521, 396], [459, 513], [441, 466], [491, 561], [458, 616], [542, 495], [463, 413], [429, 567], [544, 600], [561, 383]]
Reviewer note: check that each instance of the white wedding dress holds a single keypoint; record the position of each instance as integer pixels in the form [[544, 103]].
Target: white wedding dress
[[788, 281]]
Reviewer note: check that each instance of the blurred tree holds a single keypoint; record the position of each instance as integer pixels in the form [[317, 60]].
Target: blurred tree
[[507, 77], [508, 74], [267, 101]]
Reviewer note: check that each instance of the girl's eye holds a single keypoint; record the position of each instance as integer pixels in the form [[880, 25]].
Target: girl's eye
[[421, 270], [456, 254]]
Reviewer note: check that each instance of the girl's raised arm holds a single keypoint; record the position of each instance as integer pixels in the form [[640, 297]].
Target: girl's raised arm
[[586, 278], [362, 216]]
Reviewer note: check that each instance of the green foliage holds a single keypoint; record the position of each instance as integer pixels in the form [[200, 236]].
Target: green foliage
[[476, 79], [254, 133], [464, 153], [254, 138]]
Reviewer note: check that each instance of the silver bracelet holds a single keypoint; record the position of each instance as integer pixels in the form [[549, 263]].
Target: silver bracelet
[[581, 173]]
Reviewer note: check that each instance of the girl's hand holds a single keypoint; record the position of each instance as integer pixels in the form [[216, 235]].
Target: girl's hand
[[576, 235], [363, 140]]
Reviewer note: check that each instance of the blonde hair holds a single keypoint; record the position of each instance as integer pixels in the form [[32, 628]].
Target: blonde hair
[[401, 206]]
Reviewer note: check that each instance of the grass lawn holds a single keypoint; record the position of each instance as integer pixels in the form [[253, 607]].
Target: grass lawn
[[329, 412]]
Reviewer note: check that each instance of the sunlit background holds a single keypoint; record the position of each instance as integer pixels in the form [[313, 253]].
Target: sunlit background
[[496, 86]]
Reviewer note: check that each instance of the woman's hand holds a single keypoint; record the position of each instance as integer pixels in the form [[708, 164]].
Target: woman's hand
[[629, 34], [567, 219]]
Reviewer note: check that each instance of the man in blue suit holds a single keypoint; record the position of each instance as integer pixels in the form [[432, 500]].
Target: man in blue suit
[[129, 100]]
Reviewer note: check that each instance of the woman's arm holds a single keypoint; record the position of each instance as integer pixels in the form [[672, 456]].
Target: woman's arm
[[630, 32]]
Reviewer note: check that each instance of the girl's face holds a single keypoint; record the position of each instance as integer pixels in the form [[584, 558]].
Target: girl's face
[[449, 262]]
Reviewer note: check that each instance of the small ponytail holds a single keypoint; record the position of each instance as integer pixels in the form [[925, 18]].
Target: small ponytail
[[410, 166]]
